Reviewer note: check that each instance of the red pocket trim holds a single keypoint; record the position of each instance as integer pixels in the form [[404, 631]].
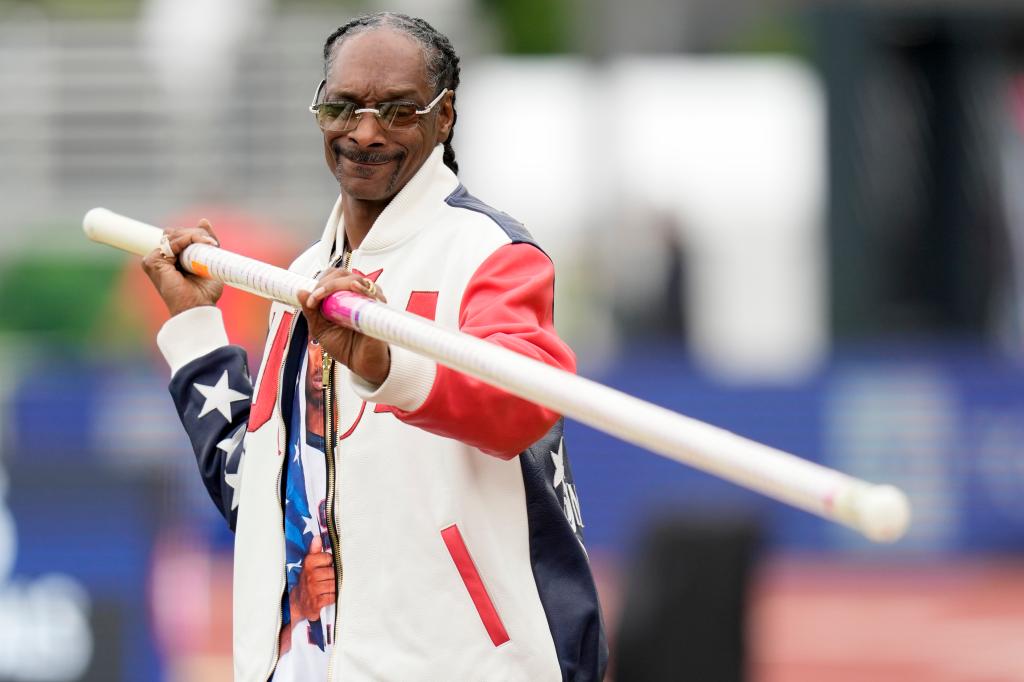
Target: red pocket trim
[[474, 585], [263, 406]]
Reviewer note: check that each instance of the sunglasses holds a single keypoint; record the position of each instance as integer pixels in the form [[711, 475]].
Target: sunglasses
[[343, 115]]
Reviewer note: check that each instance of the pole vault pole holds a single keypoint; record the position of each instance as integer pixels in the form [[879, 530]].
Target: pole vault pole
[[880, 512]]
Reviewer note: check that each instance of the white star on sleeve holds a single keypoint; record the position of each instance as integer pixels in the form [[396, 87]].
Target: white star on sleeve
[[233, 480], [230, 444], [311, 527], [219, 397], [559, 458]]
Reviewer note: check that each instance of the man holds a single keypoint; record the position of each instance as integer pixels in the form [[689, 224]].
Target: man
[[433, 531]]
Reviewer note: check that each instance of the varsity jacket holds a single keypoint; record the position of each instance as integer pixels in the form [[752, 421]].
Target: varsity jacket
[[460, 536]]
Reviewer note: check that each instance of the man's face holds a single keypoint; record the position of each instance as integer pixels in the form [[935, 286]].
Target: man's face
[[314, 376], [381, 65]]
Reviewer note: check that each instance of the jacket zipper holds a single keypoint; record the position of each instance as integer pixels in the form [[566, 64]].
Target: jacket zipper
[[282, 427], [330, 450]]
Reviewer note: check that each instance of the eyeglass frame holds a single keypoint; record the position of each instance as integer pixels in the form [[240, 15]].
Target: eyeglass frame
[[376, 112]]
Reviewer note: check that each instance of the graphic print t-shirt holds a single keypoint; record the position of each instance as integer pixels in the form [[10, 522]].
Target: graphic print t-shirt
[[304, 518]]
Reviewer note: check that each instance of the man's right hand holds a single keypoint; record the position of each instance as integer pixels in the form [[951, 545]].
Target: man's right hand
[[182, 290], [316, 586]]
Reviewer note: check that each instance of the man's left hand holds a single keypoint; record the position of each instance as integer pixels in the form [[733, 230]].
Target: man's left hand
[[368, 357]]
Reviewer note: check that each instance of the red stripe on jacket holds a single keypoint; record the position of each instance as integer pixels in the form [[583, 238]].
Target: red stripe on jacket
[[266, 398], [509, 301]]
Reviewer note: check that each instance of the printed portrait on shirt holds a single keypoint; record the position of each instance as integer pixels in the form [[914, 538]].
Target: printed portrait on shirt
[[314, 385]]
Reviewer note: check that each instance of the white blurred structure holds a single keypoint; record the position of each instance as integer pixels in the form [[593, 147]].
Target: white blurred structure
[[194, 45], [731, 150]]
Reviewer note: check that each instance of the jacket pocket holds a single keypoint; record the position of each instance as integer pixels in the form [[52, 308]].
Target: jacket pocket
[[474, 584]]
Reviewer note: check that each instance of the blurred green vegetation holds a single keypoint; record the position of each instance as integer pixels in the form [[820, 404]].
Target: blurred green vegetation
[[533, 26], [60, 299], [74, 9], [783, 33]]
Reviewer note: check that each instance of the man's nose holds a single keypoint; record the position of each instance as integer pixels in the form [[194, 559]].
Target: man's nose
[[368, 130]]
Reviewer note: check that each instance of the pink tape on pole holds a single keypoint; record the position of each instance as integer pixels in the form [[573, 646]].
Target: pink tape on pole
[[342, 307]]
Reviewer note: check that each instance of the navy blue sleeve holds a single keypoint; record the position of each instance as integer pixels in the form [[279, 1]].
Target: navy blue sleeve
[[213, 394], [561, 567]]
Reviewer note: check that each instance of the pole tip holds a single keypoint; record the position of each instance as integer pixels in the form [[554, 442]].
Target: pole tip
[[883, 513], [92, 219]]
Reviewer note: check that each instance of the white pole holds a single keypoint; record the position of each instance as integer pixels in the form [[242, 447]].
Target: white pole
[[880, 512]]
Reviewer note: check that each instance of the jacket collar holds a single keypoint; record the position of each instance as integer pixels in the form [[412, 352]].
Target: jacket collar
[[402, 218]]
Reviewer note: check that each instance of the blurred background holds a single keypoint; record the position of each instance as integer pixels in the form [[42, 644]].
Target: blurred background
[[800, 221]]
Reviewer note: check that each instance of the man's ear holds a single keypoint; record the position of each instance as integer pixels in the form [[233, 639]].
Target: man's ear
[[446, 117]]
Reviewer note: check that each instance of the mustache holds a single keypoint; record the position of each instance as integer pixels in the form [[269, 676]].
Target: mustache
[[359, 156]]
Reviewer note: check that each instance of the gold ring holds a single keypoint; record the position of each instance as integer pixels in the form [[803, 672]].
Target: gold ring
[[371, 287], [165, 247]]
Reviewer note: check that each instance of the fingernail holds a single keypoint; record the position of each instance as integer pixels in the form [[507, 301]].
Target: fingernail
[[310, 301], [318, 292]]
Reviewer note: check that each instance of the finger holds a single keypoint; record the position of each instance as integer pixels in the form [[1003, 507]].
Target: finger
[[365, 287], [317, 561], [157, 266], [314, 298], [347, 282], [322, 578], [324, 600], [369, 288], [318, 557], [304, 298], [153, 260], [320, 589], [193, 236], [331, 280], [322, 574], [205, 225], [179, 239], [316, 574], [316, 547]]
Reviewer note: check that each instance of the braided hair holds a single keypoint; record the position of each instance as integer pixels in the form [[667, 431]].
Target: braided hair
[[438, 54]]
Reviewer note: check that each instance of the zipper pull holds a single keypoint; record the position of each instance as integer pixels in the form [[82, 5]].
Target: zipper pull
[[327, 363]]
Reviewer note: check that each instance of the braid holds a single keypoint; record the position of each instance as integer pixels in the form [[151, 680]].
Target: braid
[[438, 54]]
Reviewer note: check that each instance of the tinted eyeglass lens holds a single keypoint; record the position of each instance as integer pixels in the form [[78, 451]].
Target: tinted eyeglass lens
[[397, 114], [335, 115]]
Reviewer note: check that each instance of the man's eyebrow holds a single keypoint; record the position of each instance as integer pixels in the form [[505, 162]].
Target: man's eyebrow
[[387, 95]]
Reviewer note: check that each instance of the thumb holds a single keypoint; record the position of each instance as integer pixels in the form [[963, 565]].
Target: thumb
[[316, 547], [206, 225]]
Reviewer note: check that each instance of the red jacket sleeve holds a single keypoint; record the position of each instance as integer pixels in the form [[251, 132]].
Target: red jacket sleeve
[[509, 301]]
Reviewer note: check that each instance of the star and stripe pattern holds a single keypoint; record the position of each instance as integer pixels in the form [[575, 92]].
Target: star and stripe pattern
[[213, 395]]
